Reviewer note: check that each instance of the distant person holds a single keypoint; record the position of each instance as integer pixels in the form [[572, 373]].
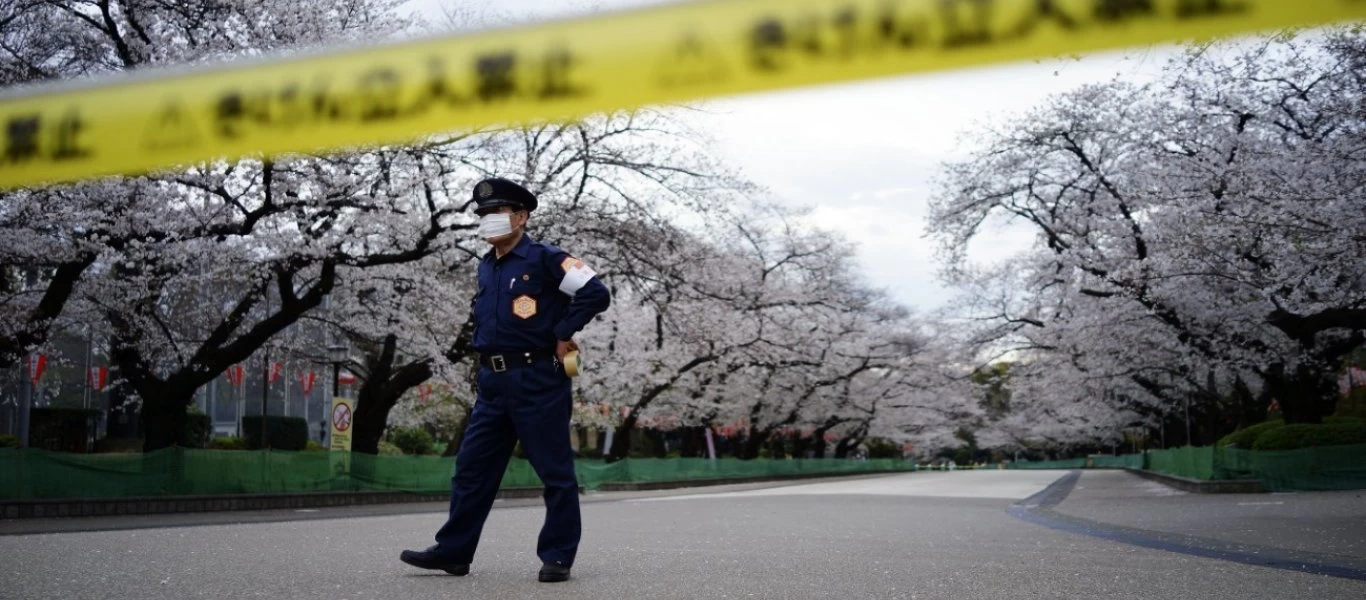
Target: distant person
[[532, 299]]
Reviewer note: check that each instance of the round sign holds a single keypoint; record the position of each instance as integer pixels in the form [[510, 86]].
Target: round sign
[[341, 417]]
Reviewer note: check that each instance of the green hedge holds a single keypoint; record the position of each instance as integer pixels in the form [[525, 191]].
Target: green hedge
[[1247, 437], [1294, 437], [231, 442], [197, 431], [283, 433], [62, 429], [411, 440]]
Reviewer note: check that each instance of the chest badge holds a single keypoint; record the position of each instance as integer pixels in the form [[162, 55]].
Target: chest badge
[[524, 307]]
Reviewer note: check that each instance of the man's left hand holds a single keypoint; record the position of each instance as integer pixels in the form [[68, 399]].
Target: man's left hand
[[564, 347]]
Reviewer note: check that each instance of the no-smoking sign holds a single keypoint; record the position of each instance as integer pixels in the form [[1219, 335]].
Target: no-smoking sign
[[341, 417]]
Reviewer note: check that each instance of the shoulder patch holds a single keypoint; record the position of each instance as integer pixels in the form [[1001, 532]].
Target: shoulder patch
[[571, 263]]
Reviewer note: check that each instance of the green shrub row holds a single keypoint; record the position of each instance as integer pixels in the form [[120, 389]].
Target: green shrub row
[[1248, 437], [1294, 437], [282, 433], [411, 440]]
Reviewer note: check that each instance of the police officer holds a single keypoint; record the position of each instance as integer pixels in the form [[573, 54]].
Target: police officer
[[532, 299]]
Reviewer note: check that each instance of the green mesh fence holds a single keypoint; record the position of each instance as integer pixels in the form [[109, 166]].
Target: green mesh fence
[[181, 472], [1189, 461], [1124, 461], [1324, 468], [1070, 463]]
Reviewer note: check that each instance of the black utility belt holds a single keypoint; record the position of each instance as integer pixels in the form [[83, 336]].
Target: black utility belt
[[507, 360]]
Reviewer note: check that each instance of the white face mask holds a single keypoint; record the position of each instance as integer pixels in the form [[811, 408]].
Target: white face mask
[[495, 225]]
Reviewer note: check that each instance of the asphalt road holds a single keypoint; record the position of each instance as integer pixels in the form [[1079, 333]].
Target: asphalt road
[[922, 535]]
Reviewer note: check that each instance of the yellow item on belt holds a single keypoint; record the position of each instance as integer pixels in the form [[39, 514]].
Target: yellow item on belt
[[349, 97], [573, 363]]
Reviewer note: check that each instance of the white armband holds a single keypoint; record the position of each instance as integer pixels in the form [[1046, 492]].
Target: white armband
[[576, 275]]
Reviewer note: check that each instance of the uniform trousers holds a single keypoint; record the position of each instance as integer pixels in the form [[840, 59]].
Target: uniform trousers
[[531, 403]]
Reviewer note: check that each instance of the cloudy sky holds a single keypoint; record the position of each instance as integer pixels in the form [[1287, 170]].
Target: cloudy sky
[[863, 155]]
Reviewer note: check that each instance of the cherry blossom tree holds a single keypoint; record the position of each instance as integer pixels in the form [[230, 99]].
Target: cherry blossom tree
[[1189, 231]]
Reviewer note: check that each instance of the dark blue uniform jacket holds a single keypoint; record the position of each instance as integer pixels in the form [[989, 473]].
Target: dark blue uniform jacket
[[520, 306]]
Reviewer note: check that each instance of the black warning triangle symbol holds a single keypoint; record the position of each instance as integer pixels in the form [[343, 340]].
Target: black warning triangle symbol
[[694, 60], [172, 128]]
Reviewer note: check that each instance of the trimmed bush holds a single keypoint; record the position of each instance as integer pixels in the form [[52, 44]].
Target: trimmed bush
[[411, 440], [387, 449], [314, 446], [9, 441], [118, 445], [62, 429], [1292, 437], [283, 433], [881, 448], [231, 442], [197, 431], [1246, 437]]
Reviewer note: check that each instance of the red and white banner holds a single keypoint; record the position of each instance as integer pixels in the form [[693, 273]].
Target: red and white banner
[[98, 377], [306, 381], [347, 378], [236, 374], [275, 372], [37, 363]]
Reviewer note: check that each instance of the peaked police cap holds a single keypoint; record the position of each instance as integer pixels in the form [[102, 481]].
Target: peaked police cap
[[496, 191]]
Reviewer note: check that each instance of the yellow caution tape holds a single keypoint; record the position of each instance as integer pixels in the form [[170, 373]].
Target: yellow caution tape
[[398, 93]]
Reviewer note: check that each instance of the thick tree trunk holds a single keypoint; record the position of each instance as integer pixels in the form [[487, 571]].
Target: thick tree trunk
[[777, 447], [693, 442], [1305, 394], [382, 388], [621, 439], [754, 441], [845, 446], [818, 444], [373, 404], [163, 417]]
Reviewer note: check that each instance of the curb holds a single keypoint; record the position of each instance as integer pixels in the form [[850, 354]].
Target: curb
[[671, 485], [1039, 510], [1202, 486], [146, 505]]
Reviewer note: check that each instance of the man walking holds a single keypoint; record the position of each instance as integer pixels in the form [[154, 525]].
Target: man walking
[[532, 299]]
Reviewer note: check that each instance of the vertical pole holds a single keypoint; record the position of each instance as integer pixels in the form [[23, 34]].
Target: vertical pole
[[25, 400], [336, 391], [89, 349], [1188, 420], [237, 392], [284, 374], [265, 391], [211, 407]]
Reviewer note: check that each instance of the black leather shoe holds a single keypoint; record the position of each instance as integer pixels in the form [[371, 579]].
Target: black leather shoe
[[551, 572], [429, 559]]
